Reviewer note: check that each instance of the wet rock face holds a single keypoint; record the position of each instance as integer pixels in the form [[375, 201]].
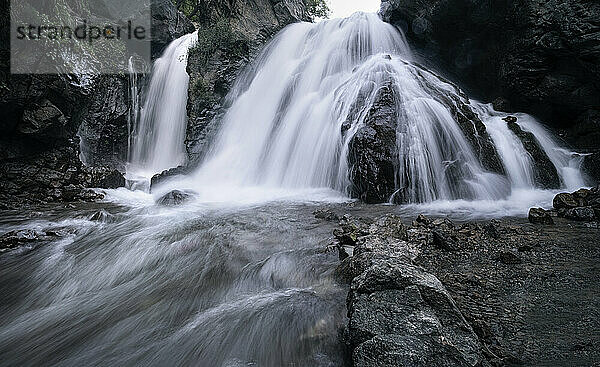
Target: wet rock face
[[373, 150], [399, 315], [103, 129], [372, 153], [166, 175], [582, 206], [167, 24], [230, 37], [175, 198], [471, 125], [542, 57], [546, 175]]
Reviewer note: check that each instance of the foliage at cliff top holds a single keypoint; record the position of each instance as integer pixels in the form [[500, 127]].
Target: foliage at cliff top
[[317, 8], [201, 11]]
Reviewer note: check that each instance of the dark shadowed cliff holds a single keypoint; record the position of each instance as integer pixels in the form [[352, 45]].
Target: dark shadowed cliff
[[541, 57]]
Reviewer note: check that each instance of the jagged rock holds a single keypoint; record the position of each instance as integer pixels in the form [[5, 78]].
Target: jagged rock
[[15, 239], [326, 214], [443, 241], [564, 201], [42, 117], [399, 313], [545, 172], [539, 216], [102, 216], [372, 153], [104, 178], [507, 306], [166, 175], [175, 198], [581, 214], [393, 301]]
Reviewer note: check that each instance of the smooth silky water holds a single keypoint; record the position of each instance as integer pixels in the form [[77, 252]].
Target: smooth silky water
[[201, 285], [240, 276]]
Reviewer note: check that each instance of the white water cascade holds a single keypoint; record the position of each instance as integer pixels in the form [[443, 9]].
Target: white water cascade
[[284, 128], [158, 135]]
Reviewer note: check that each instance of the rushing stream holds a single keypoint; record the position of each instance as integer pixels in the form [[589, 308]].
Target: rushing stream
[[195, 286]]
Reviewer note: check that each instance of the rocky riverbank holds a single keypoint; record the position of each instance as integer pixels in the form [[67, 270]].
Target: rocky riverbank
[[495, 293]]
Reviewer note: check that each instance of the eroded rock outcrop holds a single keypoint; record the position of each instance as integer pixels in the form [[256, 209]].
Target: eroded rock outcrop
[[502, 295], [231, 35], [399, 314], [541, 57]]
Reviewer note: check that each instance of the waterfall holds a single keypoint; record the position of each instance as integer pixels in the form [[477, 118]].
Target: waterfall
[[296, 110], [157, 132]]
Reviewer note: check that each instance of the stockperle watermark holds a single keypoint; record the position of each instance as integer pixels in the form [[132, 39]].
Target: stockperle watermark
[[79, 37]]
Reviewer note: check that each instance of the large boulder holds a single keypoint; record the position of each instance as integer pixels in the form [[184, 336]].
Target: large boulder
[[399, 314], [582, 205], [540, 216], [564, 201], [372, 156]]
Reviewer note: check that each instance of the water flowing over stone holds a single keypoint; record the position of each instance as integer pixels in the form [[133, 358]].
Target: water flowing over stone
[[308, 114], [157, 138]]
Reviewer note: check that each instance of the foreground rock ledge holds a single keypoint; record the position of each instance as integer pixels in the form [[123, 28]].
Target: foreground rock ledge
[[400, 315], [499, 293]]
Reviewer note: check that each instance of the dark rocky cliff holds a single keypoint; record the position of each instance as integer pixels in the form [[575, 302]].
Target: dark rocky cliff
[[541, 57], [228, 40], [46, 116]]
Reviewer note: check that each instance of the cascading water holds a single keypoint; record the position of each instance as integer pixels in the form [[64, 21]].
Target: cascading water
[[284, 126], [248, 283], [157, 137]]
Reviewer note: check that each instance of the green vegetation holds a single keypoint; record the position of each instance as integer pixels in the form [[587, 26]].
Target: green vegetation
[[219, 36], [202, 11], [317, 8]]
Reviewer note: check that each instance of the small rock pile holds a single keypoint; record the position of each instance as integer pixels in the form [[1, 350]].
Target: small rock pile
[[24, 238], [582, 206]]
